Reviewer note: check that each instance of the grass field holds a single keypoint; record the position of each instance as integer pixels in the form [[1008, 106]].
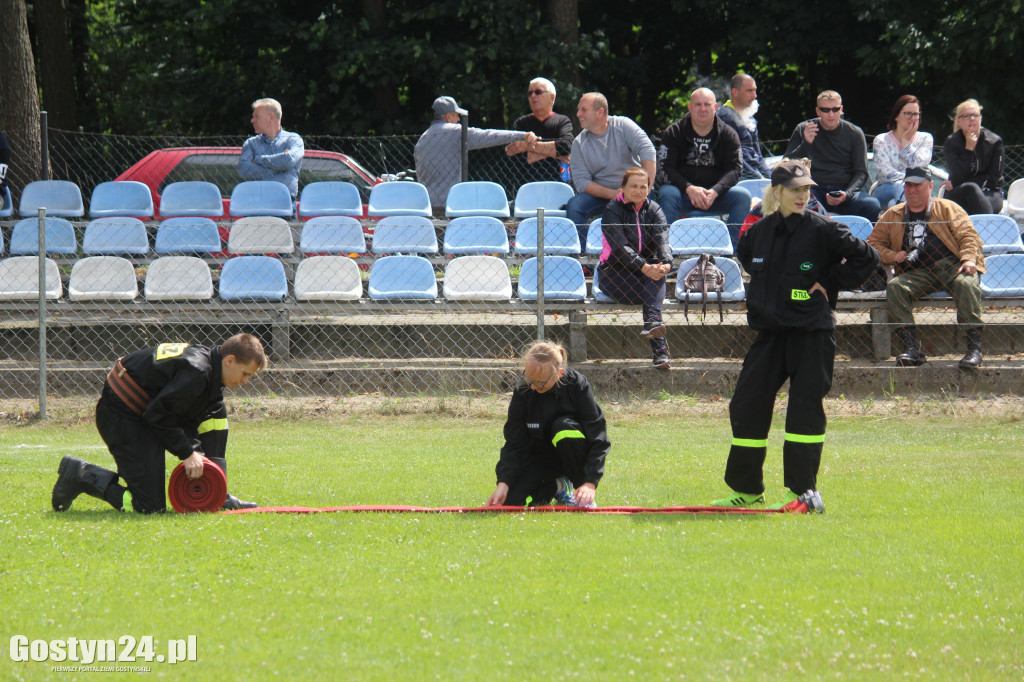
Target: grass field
[[916, 570]]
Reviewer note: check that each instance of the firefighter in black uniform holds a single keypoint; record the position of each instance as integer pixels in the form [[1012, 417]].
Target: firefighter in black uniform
[[168, 397], [797, 263], [555, 436]]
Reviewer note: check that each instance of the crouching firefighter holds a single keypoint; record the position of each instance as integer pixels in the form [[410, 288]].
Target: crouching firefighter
[[165, 398]]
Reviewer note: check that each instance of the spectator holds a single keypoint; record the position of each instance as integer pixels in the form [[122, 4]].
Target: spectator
[[839, 157], [934, 247], [605, 148], [5, 160], [636, 257], [272, 153], [555, 435], [702, 164], [738, 113], [438, 152], [903, 147], [546, 158], [974, 156], [798, 261]]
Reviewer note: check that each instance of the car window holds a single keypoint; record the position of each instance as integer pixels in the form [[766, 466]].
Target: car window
[[220, 169], [324, 170]]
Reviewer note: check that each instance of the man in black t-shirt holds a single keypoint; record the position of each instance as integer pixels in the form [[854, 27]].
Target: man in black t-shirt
[[548, 157]]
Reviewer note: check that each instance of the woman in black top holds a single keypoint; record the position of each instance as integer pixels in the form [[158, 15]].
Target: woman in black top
[[636, 257], [974, 156], [555, 437]]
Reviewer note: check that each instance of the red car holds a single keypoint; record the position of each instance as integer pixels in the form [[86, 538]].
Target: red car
[[219, 165]]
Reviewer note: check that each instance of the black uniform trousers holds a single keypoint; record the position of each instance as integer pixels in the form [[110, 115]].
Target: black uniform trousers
[[564, 454], [139, 454], [634, 288], [806, 358]]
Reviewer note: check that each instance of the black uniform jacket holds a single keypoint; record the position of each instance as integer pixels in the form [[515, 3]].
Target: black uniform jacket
[[786, 257], [184, 385], [630, 249], [530, 415]]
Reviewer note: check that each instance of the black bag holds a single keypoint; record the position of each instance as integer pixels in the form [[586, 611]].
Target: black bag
[[704, 277], [877, 280]]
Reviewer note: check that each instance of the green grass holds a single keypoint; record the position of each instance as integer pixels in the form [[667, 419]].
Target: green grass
[[916, 569]]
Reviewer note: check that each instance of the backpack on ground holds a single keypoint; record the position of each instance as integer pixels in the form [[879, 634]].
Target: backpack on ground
[[704, 277]]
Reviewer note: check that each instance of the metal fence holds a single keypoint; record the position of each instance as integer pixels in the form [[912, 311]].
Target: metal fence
[[398, 309]]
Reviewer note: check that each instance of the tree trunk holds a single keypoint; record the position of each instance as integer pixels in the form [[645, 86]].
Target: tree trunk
[[56, 66], [563, 15], [385, 96], [19, 114]]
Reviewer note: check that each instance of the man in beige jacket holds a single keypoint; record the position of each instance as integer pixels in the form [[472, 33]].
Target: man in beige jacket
[[933, 246]]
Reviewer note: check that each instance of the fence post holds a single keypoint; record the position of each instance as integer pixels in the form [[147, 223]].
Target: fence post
[[464, 120], [42, 313], [44, 138], [540, 273]]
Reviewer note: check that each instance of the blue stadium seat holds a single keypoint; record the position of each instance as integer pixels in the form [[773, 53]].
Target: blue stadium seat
[[692, 236], [261, 234], [1004, 275], [595, 238], [756, 186], [404, 234], [477, 199], [563, 279], [330, 198], [402, 277], [599, 295], [477, 278], [475, 235], [191, 198], [332, 234], [103, 278], [328, 278], [732, 289], [120, 235], [19, 279], [178, 278], [253, 277], [121, 198], [560, 237], [187, 235], [7, 209], [999, 233], [60, 237], [261, 198], [399, 198], [550, 195], [860, 227], [60, 198]]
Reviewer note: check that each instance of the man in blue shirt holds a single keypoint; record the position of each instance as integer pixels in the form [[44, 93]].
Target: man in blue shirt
[[272, 153]]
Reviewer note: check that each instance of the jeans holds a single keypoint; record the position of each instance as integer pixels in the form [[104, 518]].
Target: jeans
[[975, 200], [581, 209], [889, 194], [861, 203], [736, 202]]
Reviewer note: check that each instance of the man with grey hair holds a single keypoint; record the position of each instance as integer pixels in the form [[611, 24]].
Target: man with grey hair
[[272, 153], [549, 158], [602, 152], [438, 152]]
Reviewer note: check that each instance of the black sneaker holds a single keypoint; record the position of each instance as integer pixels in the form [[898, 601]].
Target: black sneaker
[[653, 330], [660, 362]]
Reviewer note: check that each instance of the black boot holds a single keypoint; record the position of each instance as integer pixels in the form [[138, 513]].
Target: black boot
[[913, 356], [75, 477], [973, 358], [231, 502]]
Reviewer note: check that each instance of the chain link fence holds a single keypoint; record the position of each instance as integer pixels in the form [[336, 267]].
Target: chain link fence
[[399, 306]]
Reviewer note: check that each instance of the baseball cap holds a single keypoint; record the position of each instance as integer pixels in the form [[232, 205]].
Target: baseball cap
[[792, 174], [447, 105], [917, 175]]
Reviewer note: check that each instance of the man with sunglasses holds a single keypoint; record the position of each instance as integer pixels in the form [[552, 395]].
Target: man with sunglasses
[[546, 158], [839, 159]]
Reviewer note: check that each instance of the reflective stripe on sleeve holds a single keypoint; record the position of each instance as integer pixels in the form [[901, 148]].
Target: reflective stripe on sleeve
[[213, 425]]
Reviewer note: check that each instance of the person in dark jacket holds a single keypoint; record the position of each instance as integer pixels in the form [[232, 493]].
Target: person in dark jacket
[[798, 261], [164, 398], [555, 435], [974, 156], [636, 257]]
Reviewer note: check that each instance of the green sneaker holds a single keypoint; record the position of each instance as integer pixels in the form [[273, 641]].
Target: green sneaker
[[740, 500], [786, 502]]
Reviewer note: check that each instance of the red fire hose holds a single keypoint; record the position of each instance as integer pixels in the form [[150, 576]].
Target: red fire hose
[[204, 494]]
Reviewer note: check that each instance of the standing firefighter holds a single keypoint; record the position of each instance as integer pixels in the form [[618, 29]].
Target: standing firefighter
[[168, 397], [796, 265]]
